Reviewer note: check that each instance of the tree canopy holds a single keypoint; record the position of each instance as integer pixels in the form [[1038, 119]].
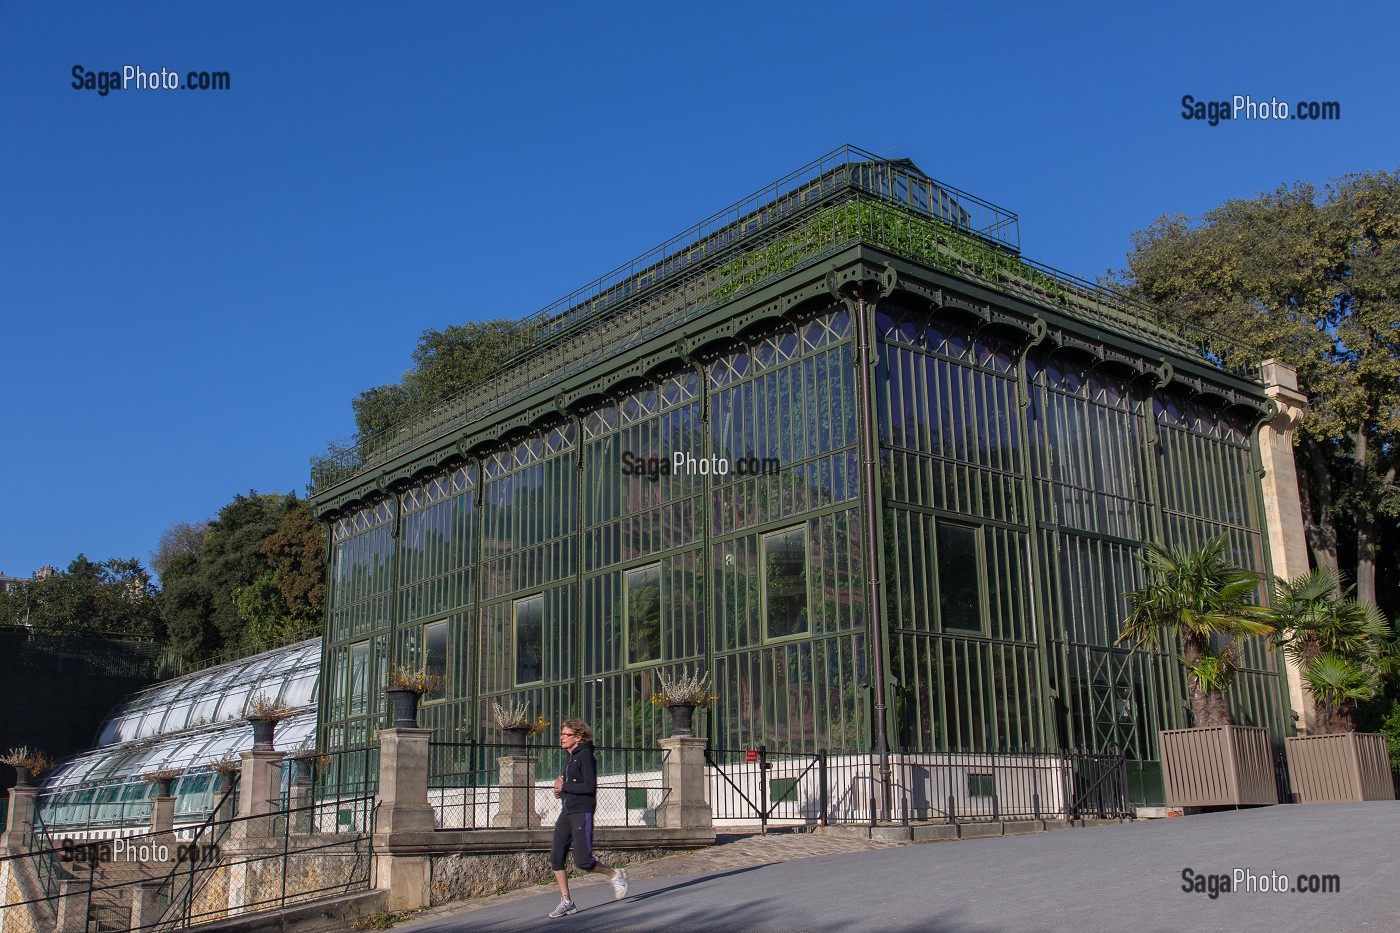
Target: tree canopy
[[1312, 278], [445, 362], [116, 598]]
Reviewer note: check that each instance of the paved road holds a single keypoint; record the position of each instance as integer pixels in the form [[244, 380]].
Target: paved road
[[1106, 878]]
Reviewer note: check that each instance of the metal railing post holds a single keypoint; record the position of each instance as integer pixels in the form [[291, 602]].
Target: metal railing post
[[823, 800], [763, 788]]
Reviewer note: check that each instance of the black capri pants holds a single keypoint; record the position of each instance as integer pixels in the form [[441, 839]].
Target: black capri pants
[[573, 830]]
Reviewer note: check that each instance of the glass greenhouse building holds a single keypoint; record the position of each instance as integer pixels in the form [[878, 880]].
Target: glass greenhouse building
[[186, 724], [842, 447]]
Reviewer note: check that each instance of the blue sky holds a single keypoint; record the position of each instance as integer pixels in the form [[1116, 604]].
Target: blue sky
[[193, 285]]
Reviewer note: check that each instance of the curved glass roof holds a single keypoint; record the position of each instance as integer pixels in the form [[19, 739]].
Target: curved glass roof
[[188, 723]]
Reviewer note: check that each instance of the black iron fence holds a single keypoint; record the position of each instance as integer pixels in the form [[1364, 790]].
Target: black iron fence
[[222, 867], [762, 786], [331, 791], [478, 785]]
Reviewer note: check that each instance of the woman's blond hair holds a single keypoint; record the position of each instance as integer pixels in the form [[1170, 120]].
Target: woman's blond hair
[[579, 728]]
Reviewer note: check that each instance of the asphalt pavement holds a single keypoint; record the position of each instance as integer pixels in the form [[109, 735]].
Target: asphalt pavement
[[1143, 876]]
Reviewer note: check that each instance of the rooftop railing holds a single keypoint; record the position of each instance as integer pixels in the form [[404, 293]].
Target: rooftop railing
[[846, 197]]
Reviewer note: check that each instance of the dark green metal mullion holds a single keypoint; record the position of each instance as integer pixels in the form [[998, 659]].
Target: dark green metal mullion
[[395, 535], [1053, 650], [706, 504], [1151, 493], [580, 489], [324, 682], [473, 614]]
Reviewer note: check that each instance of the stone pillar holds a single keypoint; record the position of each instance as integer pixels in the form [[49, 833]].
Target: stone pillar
[[517, 789], [73, 898], [302, 798], [402, 809], [145, 904], [20, 819], [259, 794], [1283, 512], [162, 814], [683, 774]]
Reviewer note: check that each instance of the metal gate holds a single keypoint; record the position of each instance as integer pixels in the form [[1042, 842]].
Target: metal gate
[[756, 784]]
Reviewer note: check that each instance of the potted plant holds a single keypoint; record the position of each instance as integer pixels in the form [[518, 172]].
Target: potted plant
[[681, 695], [406, 687], [228, 771], [162, 779], [1203, 600], [264, 714], [515, 724], [1342, 648], [28, 763]]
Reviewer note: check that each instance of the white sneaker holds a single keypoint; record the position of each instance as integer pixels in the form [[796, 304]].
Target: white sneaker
[[563, 910], [619, 883]]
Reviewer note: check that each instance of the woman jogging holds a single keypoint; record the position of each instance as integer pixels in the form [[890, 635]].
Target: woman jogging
[[577, 790]]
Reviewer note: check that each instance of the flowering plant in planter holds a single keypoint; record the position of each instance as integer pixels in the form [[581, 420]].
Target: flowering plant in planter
[[416, 679], [227, 766], [264, 708], [509, 718], [162, 778], [29, 762], [685, 689], [406, 687]]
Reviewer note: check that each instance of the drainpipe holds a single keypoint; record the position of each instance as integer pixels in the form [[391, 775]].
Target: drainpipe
[[864, 398]]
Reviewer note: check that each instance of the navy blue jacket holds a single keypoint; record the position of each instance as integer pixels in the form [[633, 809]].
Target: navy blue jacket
[[580, 791]]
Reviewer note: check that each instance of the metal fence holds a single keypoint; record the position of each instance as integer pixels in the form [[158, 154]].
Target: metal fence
[[222, 868], [477, 785], [759, 786]]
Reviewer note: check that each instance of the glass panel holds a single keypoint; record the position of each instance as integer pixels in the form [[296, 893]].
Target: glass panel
[[959, 578], [359, 677], [435, 649], [785, 582], [644, 614], [529, 640]]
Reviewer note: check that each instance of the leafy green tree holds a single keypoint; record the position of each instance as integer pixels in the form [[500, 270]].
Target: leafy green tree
[[1312, 278], [115, 598], [255, 580], [445, 362], [1206, 601]]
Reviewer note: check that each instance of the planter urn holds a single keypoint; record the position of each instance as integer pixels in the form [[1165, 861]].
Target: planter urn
[[682, 719], [263, 733], [516, 737], [405, 706]]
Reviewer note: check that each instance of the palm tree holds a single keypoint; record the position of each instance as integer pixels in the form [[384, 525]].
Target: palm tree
[[1341, 645], [1206, 601]]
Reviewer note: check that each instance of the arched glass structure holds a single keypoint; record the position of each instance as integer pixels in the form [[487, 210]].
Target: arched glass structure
[[185, 724]]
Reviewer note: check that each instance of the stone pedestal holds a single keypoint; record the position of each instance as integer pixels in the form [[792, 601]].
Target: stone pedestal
[[403, 782], [73, 900], [162, 814], [19, 820], [145, 905], [517, 788], [260, 795], [403, 809], [300, 802], [683, 773]]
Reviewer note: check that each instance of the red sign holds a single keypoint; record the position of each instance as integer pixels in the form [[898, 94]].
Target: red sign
[[750, 754]]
